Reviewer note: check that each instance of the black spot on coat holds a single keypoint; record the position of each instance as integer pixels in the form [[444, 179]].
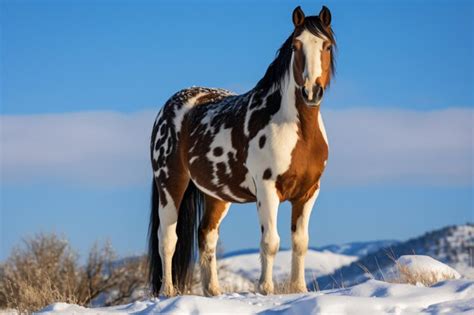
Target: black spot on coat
[[267, 174]]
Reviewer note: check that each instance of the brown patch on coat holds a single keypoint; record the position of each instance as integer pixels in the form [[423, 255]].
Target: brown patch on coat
[[298, 206], [325, 77], [213, 214], [308, 157], [298, 59]]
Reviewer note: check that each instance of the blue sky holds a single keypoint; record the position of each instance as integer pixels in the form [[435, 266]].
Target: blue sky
[[81, 82]]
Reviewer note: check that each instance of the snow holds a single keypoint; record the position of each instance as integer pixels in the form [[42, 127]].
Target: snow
[[453, 296], [421, 264]]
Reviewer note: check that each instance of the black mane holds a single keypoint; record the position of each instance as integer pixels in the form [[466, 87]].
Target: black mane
[[279, 67]]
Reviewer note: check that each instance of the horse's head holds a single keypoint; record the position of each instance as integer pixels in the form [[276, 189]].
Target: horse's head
[[313, 47]]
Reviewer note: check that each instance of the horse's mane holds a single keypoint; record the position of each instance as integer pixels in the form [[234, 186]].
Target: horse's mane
[[281, 64]]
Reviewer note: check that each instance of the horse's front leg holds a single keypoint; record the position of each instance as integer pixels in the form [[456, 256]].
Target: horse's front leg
[[267, 204], [300, 214]]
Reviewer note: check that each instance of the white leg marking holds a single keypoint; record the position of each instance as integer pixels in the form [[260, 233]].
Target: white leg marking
[[167, 242], [270, 242], [299, 240]]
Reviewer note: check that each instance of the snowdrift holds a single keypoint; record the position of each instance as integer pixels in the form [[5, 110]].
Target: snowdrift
[[371, 297]]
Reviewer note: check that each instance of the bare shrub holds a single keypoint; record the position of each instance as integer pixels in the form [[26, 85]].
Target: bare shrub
[[42, 271], [45, 270]]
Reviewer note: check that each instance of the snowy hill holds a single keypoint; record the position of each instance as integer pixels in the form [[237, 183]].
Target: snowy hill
[[453, 245], [350, 249], [244, 269], [357, 248]]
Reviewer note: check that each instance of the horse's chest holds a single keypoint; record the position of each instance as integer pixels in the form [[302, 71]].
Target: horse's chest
[[303, 176], [270, 152], [308, 161]]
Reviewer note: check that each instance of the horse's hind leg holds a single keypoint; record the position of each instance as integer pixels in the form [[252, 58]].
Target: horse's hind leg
[[215, 211], [171, 195]]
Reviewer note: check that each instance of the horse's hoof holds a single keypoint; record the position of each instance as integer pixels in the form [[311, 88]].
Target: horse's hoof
[[212, 291], [265, 288], [298, 288], [167, 291]]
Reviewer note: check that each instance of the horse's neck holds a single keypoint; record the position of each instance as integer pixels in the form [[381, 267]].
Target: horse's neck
[[295, 110], [292, 108]]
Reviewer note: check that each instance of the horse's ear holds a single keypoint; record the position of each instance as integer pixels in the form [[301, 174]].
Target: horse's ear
[[298, 16], [325, 16]]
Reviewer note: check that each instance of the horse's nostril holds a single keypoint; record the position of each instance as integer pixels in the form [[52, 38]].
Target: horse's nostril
[[303, 92], [318, 91]]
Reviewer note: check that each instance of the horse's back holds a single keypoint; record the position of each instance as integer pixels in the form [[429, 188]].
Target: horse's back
[[167, 129]]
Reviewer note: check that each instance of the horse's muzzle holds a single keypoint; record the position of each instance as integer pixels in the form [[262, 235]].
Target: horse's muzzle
[[314, 97]]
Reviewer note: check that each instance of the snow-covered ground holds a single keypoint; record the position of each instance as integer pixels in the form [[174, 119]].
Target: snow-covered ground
[[454, 296], [444, 285], [371, 297]]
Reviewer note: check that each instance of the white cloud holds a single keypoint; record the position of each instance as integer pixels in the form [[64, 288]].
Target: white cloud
[[103, 148], [400, 146], [367, 146]]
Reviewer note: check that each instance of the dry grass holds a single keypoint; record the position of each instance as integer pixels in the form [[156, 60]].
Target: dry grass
[[426, 278], [403, 274], [45, 270]]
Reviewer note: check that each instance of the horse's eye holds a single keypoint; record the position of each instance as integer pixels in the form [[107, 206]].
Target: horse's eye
[[328, 48]]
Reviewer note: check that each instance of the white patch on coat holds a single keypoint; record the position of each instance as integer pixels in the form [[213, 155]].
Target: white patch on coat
[[206, 191], [226, 190], [179, 113], [322, 128], [281, 137], [249, 183], [222, 139], [247, 116]]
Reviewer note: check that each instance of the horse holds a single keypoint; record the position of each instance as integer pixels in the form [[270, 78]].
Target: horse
[[210, 147]]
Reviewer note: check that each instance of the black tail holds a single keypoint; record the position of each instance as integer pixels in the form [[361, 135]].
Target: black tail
[[189, 217]]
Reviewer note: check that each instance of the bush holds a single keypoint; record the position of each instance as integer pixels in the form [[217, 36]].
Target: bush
[[46, 270]]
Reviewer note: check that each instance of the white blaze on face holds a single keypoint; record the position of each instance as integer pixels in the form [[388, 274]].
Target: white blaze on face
[[312, 48]]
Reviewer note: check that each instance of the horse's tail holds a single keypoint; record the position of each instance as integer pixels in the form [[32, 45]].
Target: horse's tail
[[155, 273], [189, 217]]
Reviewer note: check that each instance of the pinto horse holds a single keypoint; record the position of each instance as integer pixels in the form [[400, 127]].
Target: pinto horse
[[210, 147]]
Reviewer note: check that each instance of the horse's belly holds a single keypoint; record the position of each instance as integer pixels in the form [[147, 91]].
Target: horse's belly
[[231, 189], [218, 169]]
